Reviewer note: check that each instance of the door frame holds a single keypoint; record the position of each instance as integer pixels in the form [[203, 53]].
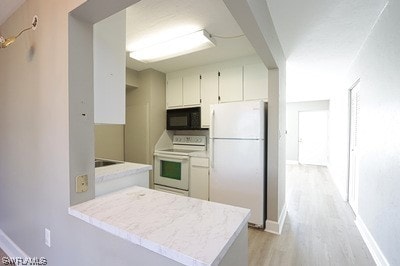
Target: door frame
[[356, 184]]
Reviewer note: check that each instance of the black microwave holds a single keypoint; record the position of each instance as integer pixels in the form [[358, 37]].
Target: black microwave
[[184, 119]]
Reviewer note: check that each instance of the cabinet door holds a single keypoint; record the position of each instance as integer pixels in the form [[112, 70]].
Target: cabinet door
[[231, 84], [255, 80], [174, 92], [191, 90], [209, 95], [199, 178]]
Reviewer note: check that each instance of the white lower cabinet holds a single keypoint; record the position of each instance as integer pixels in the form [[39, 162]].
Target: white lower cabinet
[[199, 178]]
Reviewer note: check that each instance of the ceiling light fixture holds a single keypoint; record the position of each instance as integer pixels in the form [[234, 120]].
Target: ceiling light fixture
[[185, 44], [4, 43]]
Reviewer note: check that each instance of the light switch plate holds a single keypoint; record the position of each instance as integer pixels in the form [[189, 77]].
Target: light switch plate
[[82, 183]]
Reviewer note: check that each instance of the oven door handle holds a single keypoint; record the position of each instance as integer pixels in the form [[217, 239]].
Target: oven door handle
[[164, 156]]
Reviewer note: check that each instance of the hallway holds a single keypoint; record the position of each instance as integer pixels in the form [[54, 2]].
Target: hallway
[[319, 227]]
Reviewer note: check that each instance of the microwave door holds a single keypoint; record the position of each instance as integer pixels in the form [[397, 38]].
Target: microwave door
[[178, 121]]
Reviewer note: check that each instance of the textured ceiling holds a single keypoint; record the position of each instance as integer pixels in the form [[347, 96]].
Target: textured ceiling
[[320, 39], [7, 7], [154, 17]]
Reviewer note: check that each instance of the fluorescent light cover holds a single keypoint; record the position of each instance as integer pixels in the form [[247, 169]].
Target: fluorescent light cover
[[186, 44]]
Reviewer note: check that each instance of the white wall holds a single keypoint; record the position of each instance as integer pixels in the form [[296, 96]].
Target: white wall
[[377, 66], [292, 124], [338, 146], [109, 42], [35, 164]]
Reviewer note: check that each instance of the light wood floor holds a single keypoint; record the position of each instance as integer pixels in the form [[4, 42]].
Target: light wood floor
[[319, 227]]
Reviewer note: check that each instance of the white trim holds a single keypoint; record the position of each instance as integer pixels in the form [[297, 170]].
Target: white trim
[[292, 162], [10, 248], [369, 240], [276, 227]]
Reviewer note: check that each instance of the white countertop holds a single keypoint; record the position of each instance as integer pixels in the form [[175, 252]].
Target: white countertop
[[106, 173], [187, 230]]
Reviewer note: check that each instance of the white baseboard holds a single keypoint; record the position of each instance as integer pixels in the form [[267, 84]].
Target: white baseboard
[[369, 240], [292, 162], [9, 247], [276, 227]]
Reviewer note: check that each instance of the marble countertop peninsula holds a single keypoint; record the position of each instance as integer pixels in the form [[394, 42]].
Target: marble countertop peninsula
[[107, 173], [187, 230]]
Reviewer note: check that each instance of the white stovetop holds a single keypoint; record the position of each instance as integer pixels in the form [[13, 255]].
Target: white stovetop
[[187, 230]]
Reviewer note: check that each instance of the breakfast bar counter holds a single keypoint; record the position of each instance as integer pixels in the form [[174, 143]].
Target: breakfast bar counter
[[121, 175], [186, 230]]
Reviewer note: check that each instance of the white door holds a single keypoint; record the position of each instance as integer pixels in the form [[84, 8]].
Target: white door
[[354, 147], [239, 120], [313, 137]]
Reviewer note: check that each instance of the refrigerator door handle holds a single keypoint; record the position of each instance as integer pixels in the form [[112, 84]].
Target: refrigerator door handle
[[212, 153], [212, 123], [212, 139]]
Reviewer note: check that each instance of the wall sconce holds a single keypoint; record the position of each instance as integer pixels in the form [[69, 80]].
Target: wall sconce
[[4, 43]]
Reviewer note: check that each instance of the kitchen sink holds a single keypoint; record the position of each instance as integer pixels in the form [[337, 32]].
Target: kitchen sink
[[101, 163]]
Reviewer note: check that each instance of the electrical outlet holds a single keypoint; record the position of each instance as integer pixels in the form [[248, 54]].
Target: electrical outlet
[[82, 183], [47, 239]]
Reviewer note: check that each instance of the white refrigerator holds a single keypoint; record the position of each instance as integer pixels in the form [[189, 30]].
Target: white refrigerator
[[238, 157]]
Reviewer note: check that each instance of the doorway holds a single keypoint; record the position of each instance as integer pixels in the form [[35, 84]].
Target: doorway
[[354, 146], [313, 137]]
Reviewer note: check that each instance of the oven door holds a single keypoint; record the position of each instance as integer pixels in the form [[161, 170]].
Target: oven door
[[171, 170]]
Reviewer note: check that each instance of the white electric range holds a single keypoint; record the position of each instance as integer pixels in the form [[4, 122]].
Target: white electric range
[[171, 166]]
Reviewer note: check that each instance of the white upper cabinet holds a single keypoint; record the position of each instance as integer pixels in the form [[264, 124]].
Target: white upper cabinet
[[209, 95], [191, 90], [231, 84], [174, 97], [255, 82], [109, 69], [242, 80]]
